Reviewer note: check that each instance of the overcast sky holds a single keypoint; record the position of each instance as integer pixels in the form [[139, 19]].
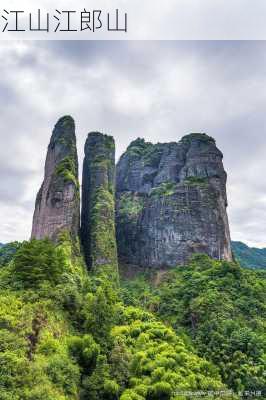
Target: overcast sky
[[156, 90]]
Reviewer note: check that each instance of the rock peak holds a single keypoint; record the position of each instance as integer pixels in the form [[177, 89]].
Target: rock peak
[[171, 202], [99, 140], [64, 129], [65, 119], [197, 136], [57, 202], [97, 215], [138, 142]]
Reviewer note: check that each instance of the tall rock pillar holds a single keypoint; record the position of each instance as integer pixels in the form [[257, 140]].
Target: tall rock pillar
[[57, 207], [171, 202], [98, 215]]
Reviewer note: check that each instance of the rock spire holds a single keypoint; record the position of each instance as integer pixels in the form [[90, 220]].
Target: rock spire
[[57, 207], [98, 211]]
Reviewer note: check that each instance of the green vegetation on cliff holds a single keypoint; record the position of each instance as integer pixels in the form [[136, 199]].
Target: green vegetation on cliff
[[196, 180], [139, 147], [130, 205], [98, 208], [103, 250], [57, 206], [203, 137], [67, 169], [164, 189]]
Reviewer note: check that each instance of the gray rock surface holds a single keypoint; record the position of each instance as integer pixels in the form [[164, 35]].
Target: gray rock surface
[[57, 207], [98, 210], [171, 202]]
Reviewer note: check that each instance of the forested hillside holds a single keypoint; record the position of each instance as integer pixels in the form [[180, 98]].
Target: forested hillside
[[7, 251], [250, 257], [220, 307], [67, 334]]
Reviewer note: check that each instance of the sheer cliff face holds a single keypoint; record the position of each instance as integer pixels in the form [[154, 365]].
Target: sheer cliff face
[[57, 207], [171, 202], [97, 215]]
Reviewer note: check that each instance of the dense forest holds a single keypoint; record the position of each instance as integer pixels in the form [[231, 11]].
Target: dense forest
[[248, 257], [66, 333]]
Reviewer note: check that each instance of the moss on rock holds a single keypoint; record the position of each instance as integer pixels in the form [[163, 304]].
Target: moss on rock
[[98, 210], [203, 137], [130, 205], [67, 169], [196, 180], [164, 189]]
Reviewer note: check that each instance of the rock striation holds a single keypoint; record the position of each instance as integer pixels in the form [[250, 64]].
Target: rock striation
[[57, 207], [98, 210], [171, 202]]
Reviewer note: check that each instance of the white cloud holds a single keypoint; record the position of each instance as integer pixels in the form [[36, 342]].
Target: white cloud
[[156, 90]]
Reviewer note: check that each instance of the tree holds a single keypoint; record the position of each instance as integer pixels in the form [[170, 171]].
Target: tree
[[38, 261]]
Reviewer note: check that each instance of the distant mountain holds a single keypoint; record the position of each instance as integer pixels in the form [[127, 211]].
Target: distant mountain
[[7, 251], [249, 257]]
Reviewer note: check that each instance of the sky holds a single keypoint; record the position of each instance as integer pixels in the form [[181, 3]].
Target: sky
[[158, 90]]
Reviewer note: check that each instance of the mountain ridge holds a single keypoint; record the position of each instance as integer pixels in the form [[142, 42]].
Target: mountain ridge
[[249, 257]]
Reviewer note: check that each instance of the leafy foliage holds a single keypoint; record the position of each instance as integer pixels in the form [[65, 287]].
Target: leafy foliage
[[35, 328], [38, 261], [66, 334], [221, 307], [159, 362]]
